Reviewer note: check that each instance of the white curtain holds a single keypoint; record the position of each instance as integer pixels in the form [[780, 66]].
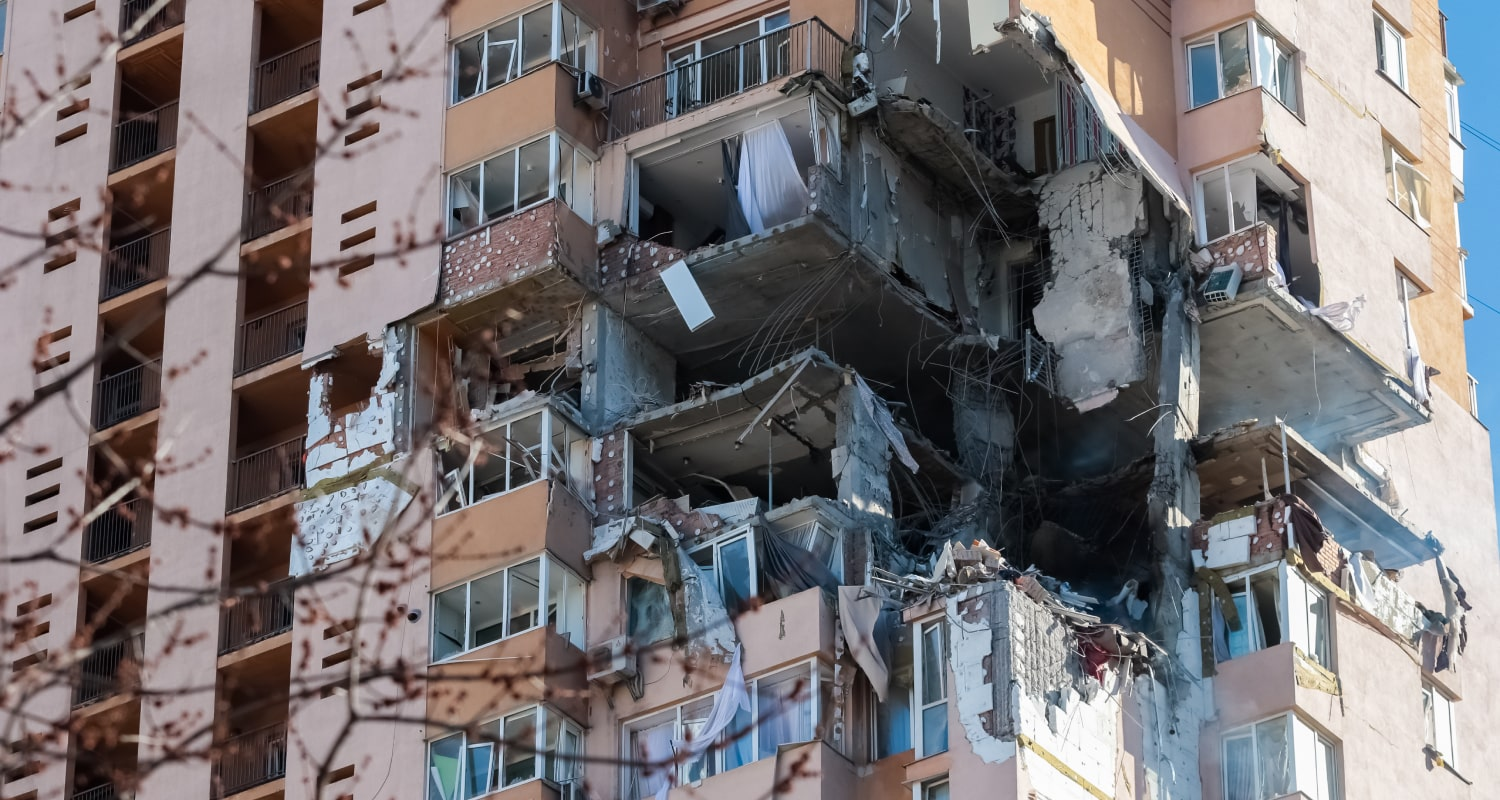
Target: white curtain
[[731, 698], [770, 187]]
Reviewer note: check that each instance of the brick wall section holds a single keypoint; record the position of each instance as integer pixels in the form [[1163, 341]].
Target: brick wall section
[[631, 258], [507, 251], [1254, 249]]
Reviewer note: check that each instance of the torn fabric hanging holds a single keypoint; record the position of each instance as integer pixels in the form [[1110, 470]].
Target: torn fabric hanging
[[770, 189], [859, 616], [730, 701], [789, 569]]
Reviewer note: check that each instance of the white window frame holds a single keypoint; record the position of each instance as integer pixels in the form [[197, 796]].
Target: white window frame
[[1265, 72], [580, 205], [1250, 620], [1392, 66], [927, 790], [1441, 731], [545, 752], [1398, 191], [817, 675], [920, 703], [1228, 173], [1310, 752], [1473, 395], [744, 532], [1450, 98], [568, 623], [813, 529], [685, 61], [516, 68], [570, 465], [1307, 616]]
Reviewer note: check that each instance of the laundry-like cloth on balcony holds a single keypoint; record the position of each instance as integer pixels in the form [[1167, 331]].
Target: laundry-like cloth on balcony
[[770, 187]]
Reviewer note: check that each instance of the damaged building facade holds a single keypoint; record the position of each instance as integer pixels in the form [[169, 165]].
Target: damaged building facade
[[717, 398]]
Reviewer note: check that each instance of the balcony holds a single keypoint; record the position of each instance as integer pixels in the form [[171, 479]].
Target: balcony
[[271, 337], [121, 529], [265, 474], [285, 76], [135, 264], [806, 47], [105, 791], [278, 204], [127, 394], [108, 670], [255, 618], [132, 11], [144, 135], [250, 759]]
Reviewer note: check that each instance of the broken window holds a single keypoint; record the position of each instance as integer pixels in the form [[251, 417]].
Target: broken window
[[1257, 602], [823, 542], [518, 178], [1277, 757], [892, 719], [931, 687], [729, 564], [504, 603], [1227, 200], [1408, 188], [518, 45], [1437, 709], [536, 742], [517, 452], [1238, 58], [649, 610], [785, 708], [1390, 51], [933, 789]]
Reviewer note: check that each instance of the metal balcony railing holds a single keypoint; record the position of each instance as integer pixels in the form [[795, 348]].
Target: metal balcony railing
[[265, 474], [104, 791], [127, 394], [272, 337], [255, 618], [120, 529], [278, 204], [100, 672], [250, 759], [808, 46], [285, 76], [131, 11], [144, 135], [135, 263]]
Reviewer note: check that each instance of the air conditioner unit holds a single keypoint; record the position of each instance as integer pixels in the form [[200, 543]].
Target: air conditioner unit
[[612, 662], [591, 90], [642, 6], [1223, 284]]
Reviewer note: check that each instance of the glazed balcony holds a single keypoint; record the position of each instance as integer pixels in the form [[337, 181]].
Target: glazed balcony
[[804, 47]]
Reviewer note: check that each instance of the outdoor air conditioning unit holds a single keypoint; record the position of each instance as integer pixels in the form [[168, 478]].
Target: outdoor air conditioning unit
[[591, 90], [642, 6], [612, 662], [1223, 284]]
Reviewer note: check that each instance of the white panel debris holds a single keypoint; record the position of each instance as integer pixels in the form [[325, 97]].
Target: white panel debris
[[686, 295], [1094, 219], [335, 526], [1228, 544]]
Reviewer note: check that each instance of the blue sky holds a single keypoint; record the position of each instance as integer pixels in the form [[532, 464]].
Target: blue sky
[[1471, 48]]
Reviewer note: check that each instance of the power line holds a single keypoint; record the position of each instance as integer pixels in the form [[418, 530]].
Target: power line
[[1483, 137]]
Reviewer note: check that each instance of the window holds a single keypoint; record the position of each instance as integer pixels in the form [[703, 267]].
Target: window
[[892, 719], [1408, 188], [931, 789], [4, 14], [820, 540], [1308, 617], [1390, 51], [1473, 395], [729, 564], [1450, 94], [504, 603], [931, 686], [785, 710], [1437, 709], [728, 62], [1277, 757], [1237, 59], [528, 448], [1227, 200], [536, 742], [518, 45], [1275, 604], [649, 610], [512, 180]]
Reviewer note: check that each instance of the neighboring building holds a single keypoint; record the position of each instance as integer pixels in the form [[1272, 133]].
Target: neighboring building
[[738, 399]]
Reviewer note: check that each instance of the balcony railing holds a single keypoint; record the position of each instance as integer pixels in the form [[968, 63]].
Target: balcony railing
[[104, 791], [265, 474], [278, 204], [808, 46], [285, 76], [121, 529], [135, 263], [271, 337], [144, 135], [100, 673], [255, 618], [131, 12], [127, 394], [250, 759]]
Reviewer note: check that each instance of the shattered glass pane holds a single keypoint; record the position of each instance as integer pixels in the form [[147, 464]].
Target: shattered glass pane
[[1234, 54], [1275, 755], [1239, 769]]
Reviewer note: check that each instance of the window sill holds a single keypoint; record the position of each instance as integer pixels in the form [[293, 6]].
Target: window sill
[[1263, 90], [1423, 227], [486, 225], [533, 70], [1399, 87], [1437, 759]]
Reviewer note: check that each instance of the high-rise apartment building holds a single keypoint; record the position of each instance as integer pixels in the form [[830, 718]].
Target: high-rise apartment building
[[576, 399]]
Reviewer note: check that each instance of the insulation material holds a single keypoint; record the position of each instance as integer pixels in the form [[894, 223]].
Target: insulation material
[[978, 654], [1086, 311], [705, 619], [862, 465], [336, 526], [358, 439]]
